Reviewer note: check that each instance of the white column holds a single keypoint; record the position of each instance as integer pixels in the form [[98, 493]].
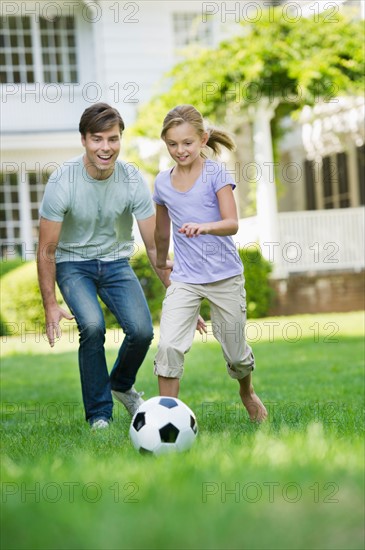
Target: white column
[[266, 200]]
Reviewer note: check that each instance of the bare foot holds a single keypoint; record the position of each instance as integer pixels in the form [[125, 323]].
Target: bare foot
[[255, 408]]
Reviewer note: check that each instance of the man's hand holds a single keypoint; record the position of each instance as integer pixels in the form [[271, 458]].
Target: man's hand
[[54, 315]]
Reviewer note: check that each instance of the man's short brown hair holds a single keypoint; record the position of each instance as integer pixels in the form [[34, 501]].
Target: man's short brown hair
[[98, 118]]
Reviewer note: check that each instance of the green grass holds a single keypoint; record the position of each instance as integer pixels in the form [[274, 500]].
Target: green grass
[[296, 482]]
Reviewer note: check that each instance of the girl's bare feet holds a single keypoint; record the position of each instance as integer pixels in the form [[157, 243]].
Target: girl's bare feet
[[253, 404]]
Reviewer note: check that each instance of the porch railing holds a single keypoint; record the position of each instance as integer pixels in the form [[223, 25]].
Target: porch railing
[[312, 241]]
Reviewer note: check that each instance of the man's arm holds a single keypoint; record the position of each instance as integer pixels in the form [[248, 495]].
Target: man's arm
[[49, 234], [147, 230]]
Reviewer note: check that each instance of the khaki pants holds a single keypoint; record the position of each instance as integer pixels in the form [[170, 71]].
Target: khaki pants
[[180, 313]]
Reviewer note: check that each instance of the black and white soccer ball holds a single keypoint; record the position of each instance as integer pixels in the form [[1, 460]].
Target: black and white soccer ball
[[163, 424]]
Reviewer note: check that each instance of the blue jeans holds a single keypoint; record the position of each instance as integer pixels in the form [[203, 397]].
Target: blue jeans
[[118, 287]]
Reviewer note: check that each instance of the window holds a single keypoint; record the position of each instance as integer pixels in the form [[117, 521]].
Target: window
[[329, 187], [327, 180], [9, 209], [36, 185], [310, 185], [336, 181], [19, 62], [16, 50], [58, 50], [17, 232], [343, 180], [361, 172], [189, 28]]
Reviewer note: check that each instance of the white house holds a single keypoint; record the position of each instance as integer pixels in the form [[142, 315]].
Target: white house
[[56, 58]]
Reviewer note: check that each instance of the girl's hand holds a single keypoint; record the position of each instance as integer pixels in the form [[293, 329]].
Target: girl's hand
[[201, 325], [169, 264], [192, 229]]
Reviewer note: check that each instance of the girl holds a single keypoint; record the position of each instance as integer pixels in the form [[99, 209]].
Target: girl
[[196, 195]]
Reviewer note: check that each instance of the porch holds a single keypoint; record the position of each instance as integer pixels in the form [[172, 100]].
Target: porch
[[311, 241]]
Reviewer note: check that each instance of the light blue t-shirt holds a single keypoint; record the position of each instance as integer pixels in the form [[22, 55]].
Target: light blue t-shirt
[[96, 215], [206, 258]]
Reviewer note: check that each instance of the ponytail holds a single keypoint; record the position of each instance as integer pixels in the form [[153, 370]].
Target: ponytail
[[218, 138]]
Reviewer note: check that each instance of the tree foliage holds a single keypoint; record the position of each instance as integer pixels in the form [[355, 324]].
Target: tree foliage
[[295, 63]]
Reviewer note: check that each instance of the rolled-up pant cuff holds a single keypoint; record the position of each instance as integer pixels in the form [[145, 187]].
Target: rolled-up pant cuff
[[167, 371]]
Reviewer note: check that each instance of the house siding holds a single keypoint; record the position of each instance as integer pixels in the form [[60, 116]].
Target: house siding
[[123, 49]]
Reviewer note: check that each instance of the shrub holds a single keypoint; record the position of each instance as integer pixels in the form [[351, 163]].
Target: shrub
[[22, 309], [9, 265], [258, 290], [5, 267], [152, 287], [259, 294], [21, 302]]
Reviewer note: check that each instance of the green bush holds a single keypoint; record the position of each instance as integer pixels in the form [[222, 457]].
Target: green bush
[[258, 290], [21, 302], [152, 287], [22, 309], [9, 265], [259, 294], [5, 267]]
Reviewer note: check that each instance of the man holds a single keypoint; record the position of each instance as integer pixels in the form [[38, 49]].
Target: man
[[85, 242]]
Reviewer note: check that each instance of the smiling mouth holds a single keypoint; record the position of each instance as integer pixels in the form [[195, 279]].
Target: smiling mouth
[[105, 157]]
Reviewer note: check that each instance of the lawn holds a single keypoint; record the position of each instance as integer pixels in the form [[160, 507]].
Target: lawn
[[296, 482]]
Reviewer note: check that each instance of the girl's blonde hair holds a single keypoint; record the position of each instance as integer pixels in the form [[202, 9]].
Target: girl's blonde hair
[[187, 113]]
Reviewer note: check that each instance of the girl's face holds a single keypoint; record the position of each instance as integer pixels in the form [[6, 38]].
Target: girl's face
[[184, 143]]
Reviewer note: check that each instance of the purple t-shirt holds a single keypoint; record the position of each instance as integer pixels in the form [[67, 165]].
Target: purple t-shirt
[[206, 258]]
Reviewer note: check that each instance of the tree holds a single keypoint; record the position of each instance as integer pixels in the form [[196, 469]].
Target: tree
[[273, 67], [291, 62]]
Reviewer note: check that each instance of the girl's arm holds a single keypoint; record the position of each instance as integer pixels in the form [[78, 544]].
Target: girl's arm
[[228, 225], [162, 237], [162, 240]]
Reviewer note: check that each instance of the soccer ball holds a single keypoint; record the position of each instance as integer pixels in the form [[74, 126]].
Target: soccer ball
[[163, 424]]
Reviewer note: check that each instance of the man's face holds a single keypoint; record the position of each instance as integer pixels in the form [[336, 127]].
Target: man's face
[[101, 152]]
